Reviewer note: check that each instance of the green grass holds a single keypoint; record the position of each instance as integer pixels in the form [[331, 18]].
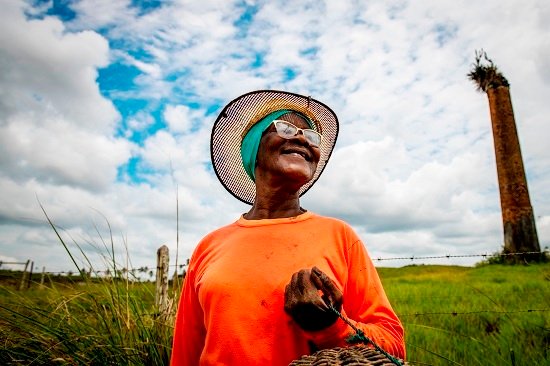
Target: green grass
[[473, 316], [84, 323], [452, 316]]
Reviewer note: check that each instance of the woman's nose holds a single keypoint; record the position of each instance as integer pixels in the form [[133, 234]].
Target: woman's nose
[[300, 136]]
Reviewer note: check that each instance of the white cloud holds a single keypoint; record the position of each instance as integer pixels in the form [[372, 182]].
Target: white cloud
[[55, 127], [44, 69], [152, 70], [56, 151], [103, 13], [139, 122], [178, 118]]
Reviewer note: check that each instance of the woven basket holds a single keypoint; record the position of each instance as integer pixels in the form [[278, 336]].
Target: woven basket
[[355, 355]]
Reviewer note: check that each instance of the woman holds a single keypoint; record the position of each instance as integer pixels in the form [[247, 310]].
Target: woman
[[260, 290]]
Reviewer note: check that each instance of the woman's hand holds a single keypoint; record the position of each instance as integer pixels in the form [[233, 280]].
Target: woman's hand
[[303, 300]]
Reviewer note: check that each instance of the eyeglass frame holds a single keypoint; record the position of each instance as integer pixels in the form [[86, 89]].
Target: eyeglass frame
[[298, 129]]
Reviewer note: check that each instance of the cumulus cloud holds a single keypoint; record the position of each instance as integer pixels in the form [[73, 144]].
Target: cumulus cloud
[[178, 118], [57, 141], [55, 127], [45, 69]]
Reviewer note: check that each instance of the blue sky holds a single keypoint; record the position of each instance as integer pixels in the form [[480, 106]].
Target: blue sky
[[106, 109]]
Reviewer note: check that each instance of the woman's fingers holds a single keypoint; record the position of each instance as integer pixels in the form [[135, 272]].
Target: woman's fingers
[[304, 288], [304, 303], [327, 286], [303, 283]]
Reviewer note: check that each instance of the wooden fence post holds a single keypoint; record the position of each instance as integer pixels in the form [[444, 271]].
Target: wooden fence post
[[24, 277], [29, 279], [161, 294], [42, 277]]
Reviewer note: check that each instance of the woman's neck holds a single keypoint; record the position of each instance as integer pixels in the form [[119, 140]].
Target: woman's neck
[[273, 204]]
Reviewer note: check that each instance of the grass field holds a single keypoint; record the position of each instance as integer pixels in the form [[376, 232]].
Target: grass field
[[488, 315], [485, 315], [110, 322]]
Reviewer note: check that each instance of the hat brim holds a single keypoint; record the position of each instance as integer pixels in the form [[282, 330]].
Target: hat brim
[[243, 112]]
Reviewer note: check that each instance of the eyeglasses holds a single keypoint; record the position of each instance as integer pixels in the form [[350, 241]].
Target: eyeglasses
[[287, 131]]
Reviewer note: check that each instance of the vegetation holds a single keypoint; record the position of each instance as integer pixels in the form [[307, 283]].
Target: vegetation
[[487, 315], [485, 73], [84, 319], [108, 322]]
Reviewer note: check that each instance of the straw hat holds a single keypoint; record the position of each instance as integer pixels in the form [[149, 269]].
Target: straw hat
[[241, 114]]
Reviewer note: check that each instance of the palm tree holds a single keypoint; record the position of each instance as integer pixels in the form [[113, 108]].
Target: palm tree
[[520, 232]]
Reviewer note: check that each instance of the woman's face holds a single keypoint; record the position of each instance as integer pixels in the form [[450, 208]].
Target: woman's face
[[292, 159]]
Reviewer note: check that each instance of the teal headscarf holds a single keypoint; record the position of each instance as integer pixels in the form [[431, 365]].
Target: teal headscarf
[[251, 141]]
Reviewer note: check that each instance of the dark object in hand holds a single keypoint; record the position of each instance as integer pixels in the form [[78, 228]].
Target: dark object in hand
[[308, 297]]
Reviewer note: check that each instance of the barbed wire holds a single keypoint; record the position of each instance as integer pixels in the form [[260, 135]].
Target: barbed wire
[[495, 255], [119, 270], [360, 336], [456, 313], [145, 270]]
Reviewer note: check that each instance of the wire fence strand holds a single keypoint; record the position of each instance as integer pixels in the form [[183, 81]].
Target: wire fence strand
[[456, 313], [144, 270], [495, 255]]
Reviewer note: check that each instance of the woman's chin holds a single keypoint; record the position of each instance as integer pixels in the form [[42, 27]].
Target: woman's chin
[[299, 174]]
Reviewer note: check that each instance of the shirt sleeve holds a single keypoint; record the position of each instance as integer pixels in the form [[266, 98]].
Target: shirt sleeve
[[366, 306], [189, 332]]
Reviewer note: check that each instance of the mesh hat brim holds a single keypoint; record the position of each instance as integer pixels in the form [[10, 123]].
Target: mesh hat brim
[[242, 113]]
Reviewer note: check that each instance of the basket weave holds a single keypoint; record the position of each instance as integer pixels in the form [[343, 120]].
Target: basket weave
[[350, 356]]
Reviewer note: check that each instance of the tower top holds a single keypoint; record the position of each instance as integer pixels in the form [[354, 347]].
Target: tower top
[[485, 73]]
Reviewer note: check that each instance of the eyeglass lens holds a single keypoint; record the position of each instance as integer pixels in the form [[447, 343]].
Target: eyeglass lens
[[287, 130]]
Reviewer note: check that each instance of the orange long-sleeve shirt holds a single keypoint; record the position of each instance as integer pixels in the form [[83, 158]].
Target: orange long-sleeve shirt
[[231, 308]]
